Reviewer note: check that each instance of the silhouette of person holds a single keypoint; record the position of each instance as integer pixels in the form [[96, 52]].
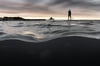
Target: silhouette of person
[[69, 14]]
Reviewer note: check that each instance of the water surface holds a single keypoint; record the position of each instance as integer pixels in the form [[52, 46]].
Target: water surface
[[38, 31]]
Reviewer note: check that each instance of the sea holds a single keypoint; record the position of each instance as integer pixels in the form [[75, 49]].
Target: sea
[[40, 31]]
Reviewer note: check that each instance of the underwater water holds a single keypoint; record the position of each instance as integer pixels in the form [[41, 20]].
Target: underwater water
[[39, 31]]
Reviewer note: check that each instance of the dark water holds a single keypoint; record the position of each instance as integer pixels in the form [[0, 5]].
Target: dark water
[[38, 31]]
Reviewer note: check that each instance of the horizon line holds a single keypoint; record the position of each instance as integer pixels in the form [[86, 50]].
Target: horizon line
[[62, 18], [56, 18]]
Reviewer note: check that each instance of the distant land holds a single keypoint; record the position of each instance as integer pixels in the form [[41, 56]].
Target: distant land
[[19, 19], [51, 19]]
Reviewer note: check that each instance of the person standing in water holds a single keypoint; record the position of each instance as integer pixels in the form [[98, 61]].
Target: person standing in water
[[69, 14]]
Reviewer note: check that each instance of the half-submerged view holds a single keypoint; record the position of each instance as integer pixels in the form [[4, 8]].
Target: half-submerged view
[[49, 32]]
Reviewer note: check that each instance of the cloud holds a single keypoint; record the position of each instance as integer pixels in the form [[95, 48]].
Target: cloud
[[16, 7], [35, 5], [79, 7], [49, 6], [91, 4]]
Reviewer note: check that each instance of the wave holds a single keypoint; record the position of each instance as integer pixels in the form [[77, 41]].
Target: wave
[[35, 40], [29, 36], [45, 31], [2, 33]]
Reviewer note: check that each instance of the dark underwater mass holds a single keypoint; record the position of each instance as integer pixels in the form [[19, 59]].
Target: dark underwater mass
[[66, 50]]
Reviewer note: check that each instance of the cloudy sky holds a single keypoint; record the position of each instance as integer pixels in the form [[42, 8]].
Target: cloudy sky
[[81, 9]]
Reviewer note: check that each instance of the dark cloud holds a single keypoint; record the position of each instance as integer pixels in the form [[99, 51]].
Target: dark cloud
[[77, 3], [33, 5], [27, 6], [32, 1]]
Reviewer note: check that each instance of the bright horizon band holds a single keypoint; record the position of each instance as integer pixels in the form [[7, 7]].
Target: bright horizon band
[[62, 18]]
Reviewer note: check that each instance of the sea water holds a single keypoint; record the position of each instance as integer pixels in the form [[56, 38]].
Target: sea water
[[39, 31]]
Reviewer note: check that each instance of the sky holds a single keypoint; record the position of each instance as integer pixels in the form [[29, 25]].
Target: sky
[[81, 9]]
